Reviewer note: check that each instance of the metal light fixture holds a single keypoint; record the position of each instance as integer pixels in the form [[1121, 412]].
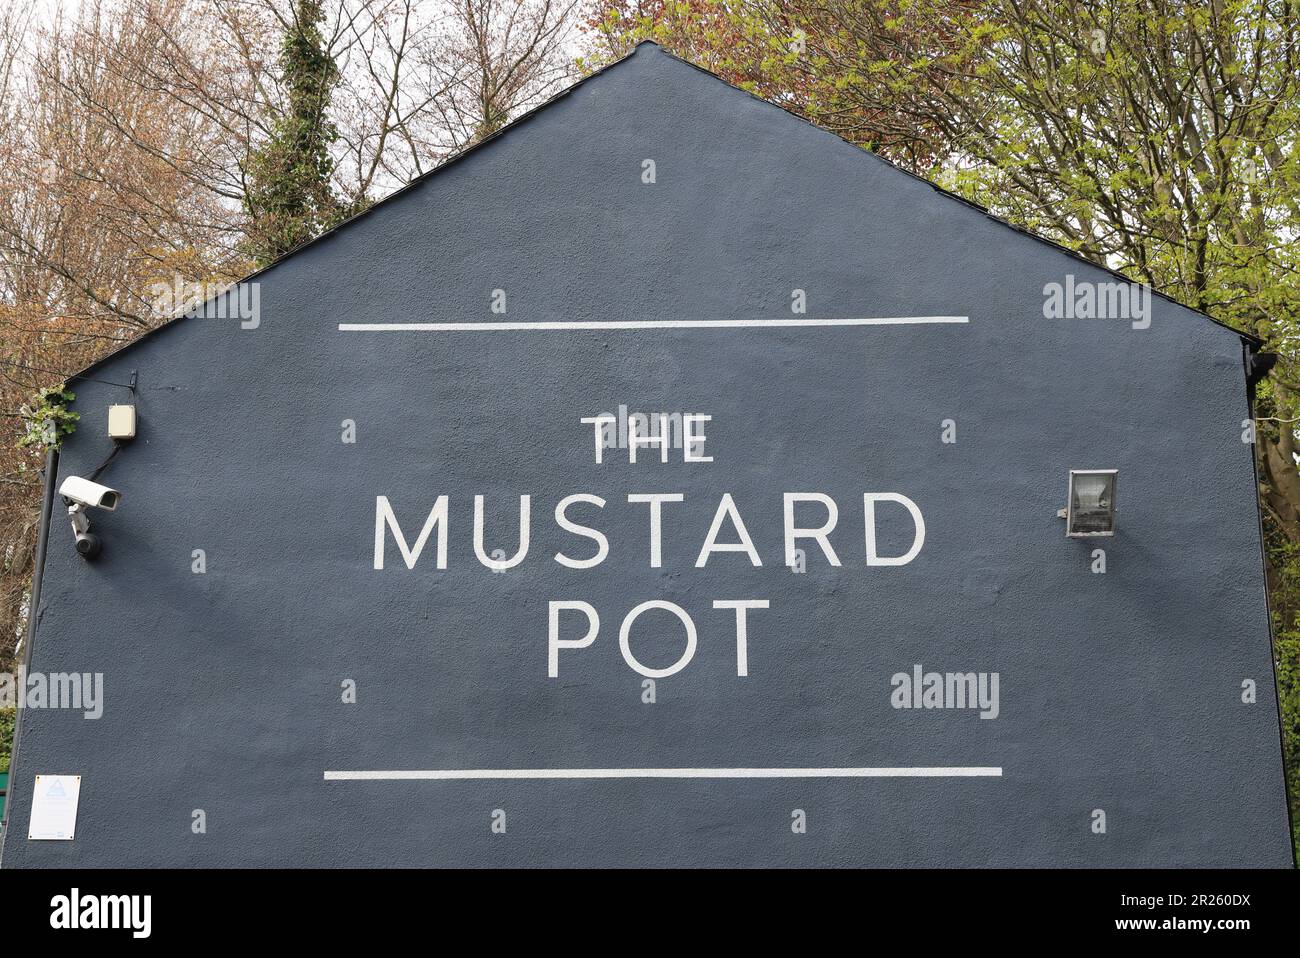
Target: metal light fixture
[[1090, 509]]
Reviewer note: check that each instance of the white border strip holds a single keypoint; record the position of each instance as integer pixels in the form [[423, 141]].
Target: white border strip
[[491, 327], [499, 774]]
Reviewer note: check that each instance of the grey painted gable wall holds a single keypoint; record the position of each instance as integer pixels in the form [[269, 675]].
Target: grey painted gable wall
[[1119, 692]]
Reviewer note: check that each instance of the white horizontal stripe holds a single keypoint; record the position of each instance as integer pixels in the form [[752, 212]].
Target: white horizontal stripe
[[555, 773], [489, 326]]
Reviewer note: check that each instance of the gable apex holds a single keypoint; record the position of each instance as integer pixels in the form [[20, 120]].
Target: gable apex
[[644, 50]]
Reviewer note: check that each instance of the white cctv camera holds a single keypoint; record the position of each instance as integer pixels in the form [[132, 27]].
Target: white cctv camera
[[81, 494], [87, 493]]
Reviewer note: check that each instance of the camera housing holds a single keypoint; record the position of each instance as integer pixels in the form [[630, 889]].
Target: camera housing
[[82, 494]]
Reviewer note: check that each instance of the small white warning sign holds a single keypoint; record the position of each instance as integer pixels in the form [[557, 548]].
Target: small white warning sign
[[54, 808]]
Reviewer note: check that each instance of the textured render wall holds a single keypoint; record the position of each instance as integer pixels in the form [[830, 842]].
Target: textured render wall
[[1119, 691]]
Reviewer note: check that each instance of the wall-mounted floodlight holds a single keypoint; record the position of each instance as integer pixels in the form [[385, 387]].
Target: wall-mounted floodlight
[[1090, 509]]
